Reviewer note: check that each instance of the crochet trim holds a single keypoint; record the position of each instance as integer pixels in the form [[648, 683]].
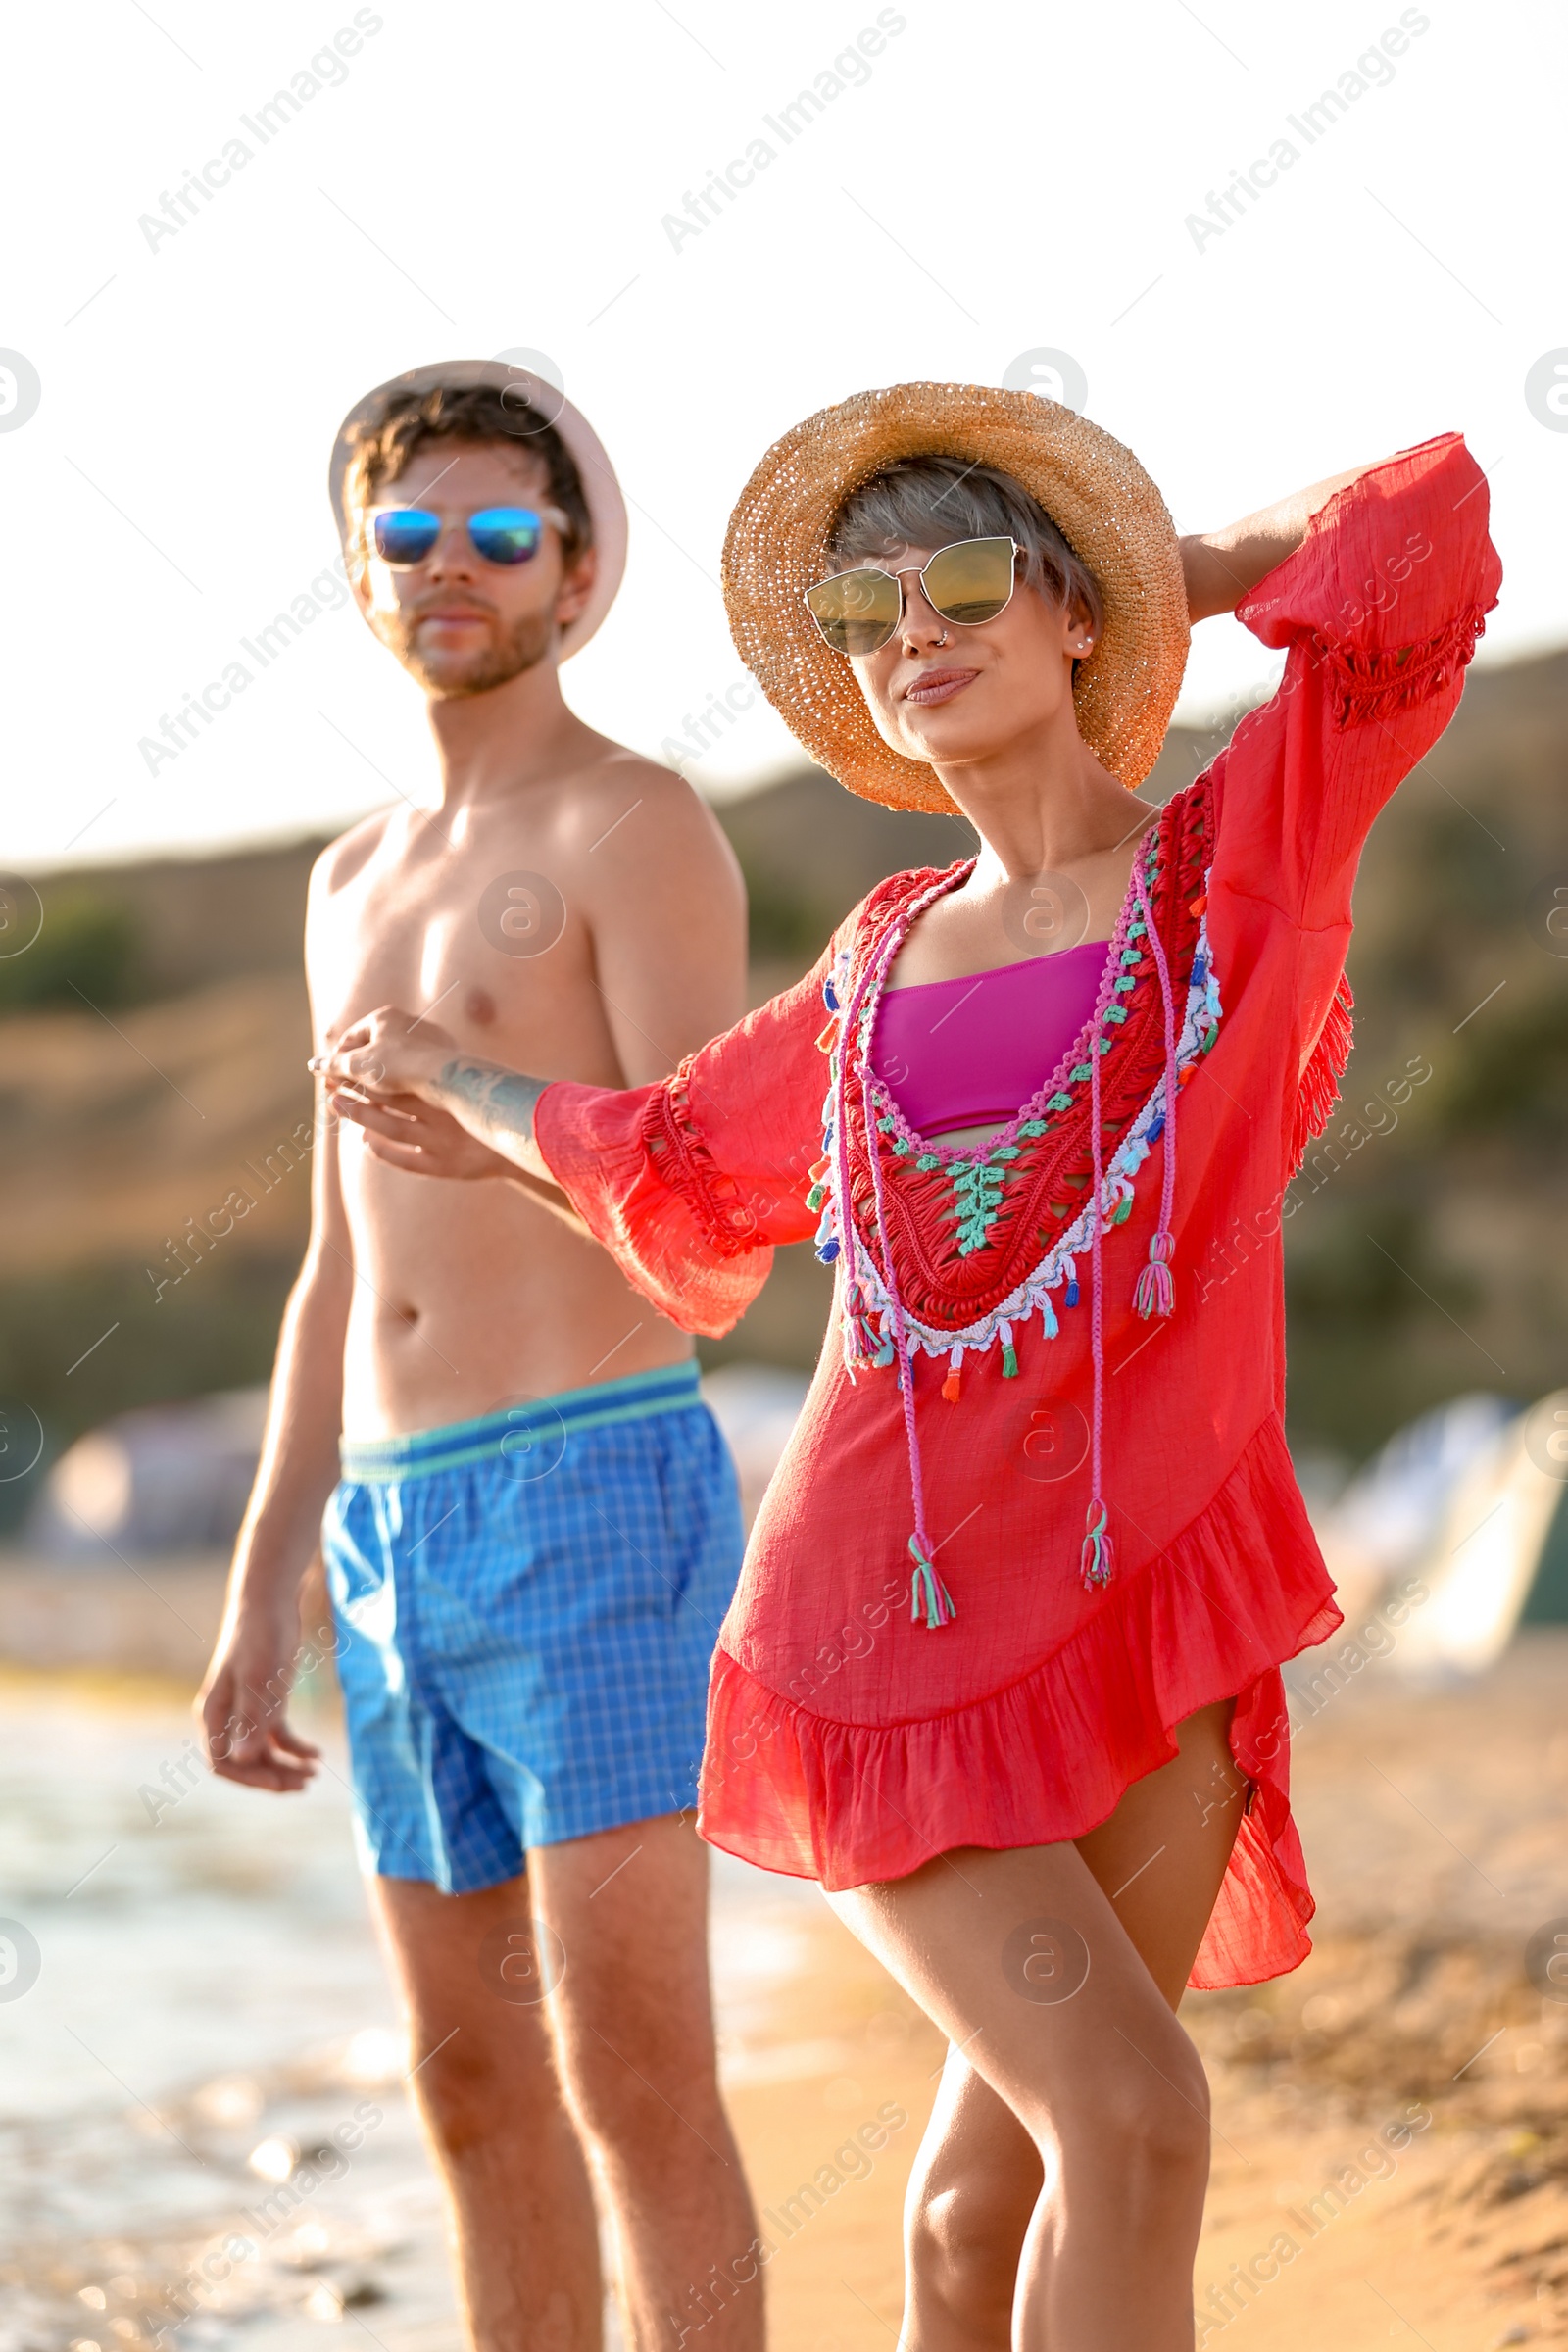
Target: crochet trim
[[870, 1314], [675, 1144], [1375, 683], [1032, 1296]]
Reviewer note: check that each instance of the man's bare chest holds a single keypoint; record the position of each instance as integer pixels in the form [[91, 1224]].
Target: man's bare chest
[[496, 953]]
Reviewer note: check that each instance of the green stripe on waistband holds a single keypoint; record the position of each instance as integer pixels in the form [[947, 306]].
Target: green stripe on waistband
[[638, 1396]]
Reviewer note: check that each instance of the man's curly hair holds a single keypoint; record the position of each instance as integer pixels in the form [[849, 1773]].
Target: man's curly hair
[[382, 446]]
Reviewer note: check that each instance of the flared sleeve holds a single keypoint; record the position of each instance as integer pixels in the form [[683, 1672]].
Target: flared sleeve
[[1380, 607], [689, 1183]]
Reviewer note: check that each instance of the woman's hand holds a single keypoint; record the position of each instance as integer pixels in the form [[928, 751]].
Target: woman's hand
[[371, 1075], [389, 1052], [429, 1108], [406, 1132]]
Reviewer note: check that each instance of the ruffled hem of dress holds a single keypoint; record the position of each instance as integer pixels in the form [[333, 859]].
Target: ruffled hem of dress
[[1213, 1616]]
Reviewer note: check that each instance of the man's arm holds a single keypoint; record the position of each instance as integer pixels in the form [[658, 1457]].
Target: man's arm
[[243, 1700], [1222, 567], [242, 1703]]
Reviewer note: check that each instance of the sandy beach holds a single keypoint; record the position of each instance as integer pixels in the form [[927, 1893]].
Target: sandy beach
[[209, 2057]]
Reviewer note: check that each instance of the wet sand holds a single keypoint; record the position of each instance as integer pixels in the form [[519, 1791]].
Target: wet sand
[[1391, 2152]]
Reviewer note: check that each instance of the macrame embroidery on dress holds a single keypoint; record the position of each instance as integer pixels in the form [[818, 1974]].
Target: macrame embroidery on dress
[[947, 1251], [987, 1240]]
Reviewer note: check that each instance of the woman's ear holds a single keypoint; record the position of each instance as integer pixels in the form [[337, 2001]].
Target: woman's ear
[[1080, 630]]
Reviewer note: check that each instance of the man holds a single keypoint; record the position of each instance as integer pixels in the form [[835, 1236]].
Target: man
[[536, 1534]]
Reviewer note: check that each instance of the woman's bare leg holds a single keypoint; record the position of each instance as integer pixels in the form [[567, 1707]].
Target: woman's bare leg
[[978, 2178]]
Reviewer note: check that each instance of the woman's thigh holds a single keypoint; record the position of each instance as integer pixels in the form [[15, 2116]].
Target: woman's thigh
[[1160, 1861], [1020, 1959], [1163, 1855]]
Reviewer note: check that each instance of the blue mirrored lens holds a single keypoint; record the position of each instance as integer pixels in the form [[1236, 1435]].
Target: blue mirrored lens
[[406, 534], [506, 534]]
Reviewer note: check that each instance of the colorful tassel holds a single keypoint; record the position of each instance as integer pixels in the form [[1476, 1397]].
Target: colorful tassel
[[1155, 1293], [1010, 1355], [1096, 1564], [927, 1592], [950, 1386]]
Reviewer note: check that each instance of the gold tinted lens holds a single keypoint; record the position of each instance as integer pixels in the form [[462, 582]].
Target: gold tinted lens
[[857, 612], [970, 582]]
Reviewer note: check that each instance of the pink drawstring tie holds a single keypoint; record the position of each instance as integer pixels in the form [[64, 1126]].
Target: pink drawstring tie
[[1155, 1293]]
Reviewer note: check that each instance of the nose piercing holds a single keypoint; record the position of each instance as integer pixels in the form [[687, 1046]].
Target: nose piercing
[[943, 638]]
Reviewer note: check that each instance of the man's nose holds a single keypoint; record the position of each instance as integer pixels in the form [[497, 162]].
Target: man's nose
[[452, 556]]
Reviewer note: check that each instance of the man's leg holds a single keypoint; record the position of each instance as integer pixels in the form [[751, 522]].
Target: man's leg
[[522, 2210], [634, 2019]]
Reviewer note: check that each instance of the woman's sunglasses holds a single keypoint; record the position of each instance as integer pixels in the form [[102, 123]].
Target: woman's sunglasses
[[407, 535], [968, 583]]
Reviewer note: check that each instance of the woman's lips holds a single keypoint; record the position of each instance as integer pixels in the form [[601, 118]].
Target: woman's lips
[[938, 685]]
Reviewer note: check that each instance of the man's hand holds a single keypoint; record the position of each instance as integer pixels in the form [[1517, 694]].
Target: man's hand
[[241, 1708]]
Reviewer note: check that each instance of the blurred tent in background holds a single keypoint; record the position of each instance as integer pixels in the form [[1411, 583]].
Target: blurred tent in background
[[1385, 1520], [1468, 1501], [160, 1480]]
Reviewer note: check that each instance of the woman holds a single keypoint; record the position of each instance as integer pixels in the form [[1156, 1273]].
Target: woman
[[1002, 1669]]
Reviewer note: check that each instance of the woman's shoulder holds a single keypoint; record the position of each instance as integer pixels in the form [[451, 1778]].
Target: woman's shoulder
[[892, 897]]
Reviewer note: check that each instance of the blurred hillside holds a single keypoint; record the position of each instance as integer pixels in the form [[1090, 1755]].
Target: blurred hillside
[[152, 1042]]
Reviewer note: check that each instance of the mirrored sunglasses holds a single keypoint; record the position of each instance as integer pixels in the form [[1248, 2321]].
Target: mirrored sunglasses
[[407, 535], [968, 583]]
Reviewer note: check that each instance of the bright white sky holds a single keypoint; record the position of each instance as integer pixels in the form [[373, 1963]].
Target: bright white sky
[[1006, 179]]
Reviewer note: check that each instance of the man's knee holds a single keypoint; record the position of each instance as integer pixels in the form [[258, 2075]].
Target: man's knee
[[632, 2078], [474, 2094]]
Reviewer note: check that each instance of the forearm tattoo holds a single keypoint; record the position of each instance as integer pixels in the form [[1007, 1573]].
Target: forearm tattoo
[[500, 1102]]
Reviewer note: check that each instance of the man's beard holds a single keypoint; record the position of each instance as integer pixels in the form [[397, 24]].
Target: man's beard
[[524, 649]]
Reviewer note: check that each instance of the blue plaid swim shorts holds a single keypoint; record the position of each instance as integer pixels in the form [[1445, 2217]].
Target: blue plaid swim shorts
[[526, 1606]]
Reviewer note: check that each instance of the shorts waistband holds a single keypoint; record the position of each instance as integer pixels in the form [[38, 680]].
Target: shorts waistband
[[635, 1398]]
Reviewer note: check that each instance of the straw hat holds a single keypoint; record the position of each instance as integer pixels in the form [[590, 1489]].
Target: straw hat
[[606, 509], [1094, 490]]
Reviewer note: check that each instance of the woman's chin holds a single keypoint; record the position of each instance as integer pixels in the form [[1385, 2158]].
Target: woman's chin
[[937, 738]]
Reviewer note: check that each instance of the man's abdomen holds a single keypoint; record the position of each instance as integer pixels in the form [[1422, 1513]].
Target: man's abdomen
[[469, 1297]]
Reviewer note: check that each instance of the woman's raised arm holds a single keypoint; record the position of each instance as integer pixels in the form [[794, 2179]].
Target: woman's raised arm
[[1222, 567]]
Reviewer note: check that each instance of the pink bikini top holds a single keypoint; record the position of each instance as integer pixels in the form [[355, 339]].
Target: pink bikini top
[[964, 1053]]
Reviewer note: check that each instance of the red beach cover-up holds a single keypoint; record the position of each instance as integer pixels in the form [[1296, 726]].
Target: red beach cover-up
[[847, 1743]]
